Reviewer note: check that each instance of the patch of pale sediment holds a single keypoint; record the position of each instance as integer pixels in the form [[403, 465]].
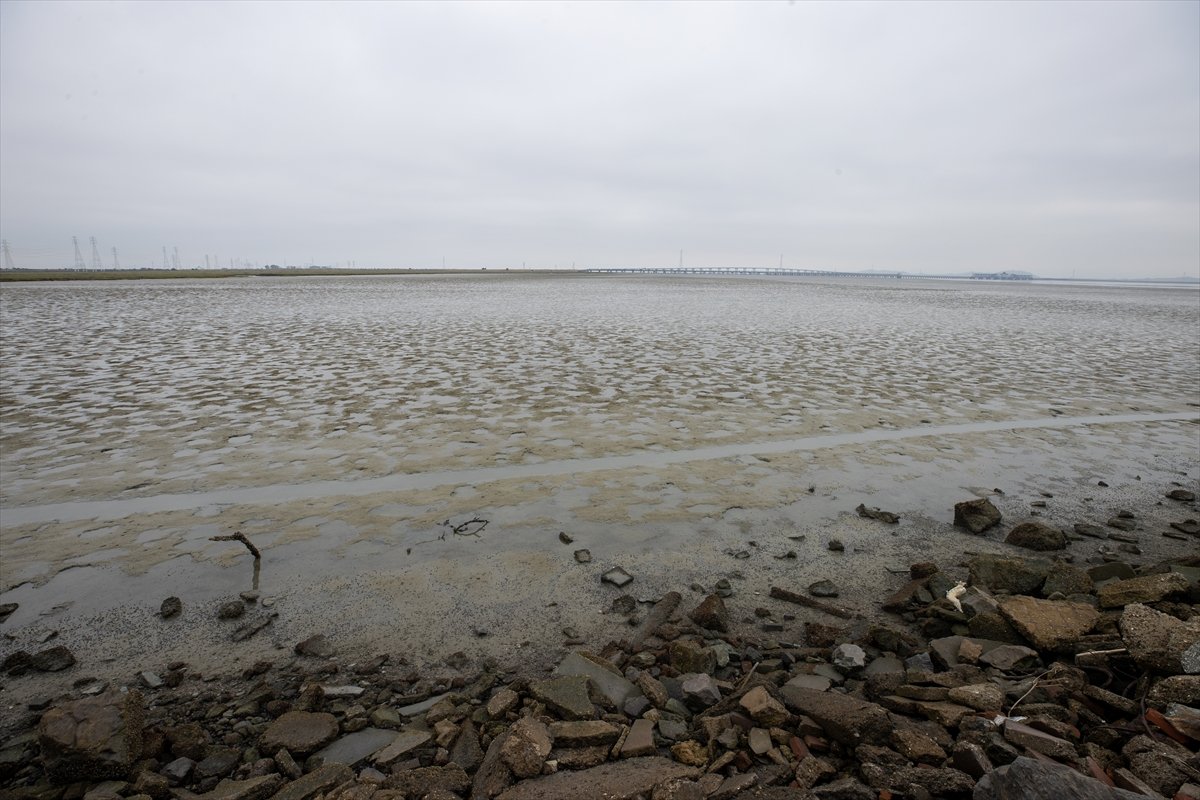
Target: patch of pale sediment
[[796, 490], [535, 468]]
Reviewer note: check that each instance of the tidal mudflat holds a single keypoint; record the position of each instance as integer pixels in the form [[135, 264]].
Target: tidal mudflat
[[688, 430]]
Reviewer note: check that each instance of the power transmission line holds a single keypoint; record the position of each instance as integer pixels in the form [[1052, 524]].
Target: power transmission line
[[79, 265], [8, 262], [96, 265], [116, 263]]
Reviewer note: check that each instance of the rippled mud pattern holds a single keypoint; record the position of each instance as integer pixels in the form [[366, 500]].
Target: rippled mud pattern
[[663, 423], [112, 390]]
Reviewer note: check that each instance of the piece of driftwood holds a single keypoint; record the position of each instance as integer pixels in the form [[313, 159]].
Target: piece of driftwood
[[805, 600], [239, 537]]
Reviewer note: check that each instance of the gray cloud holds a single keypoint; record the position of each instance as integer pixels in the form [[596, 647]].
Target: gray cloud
[[1051, 137]]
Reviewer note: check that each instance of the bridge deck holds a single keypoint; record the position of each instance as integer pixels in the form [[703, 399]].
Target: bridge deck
[[741, 271]]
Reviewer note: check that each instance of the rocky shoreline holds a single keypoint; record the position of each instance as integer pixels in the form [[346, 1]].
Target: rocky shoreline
[[1022, 675]]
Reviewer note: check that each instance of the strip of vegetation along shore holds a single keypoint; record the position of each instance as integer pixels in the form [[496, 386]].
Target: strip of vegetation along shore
[[280, 272]]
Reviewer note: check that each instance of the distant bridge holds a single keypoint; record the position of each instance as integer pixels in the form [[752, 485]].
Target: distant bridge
[[811, 273]]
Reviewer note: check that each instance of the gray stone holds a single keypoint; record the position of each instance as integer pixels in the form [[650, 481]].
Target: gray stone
[[315, 646], [823, 588], [612, 685], [818, 683], [1011, 658], [467, 750], [1029, 779], [416, 709], [219, 762], [53, 659], [566, 695], [171, 607], [617, 577], [700, 689], [178, 771], [848, 657], [96, 738], [231, 610], [401, 745], [583, 556], [357, 747]]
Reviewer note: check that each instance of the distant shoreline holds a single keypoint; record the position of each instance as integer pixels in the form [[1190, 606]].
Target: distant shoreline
[[30, 275], [167, 274]]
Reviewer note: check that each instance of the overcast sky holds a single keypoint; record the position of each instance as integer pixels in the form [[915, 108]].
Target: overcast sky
[[1057, 138]]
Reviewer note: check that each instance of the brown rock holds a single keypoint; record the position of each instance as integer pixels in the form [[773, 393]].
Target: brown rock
[[526, 748], [319, 781], [655, 692], [847, 719], [1009, 573], [1035, 535], [1039, 741], [502, 702], [916, 746], [301, 732], [711, 614], [691, 753], [1146, 589], [96, 738], [619, 780], [1048, 624], [583, 733], [640, 739], [981, 697], [424, 780], [763, 708], [259, 788], [976, 515], [1159, 641], [688, 656]]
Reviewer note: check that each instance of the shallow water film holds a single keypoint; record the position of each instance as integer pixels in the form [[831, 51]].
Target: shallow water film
[[341, 422]]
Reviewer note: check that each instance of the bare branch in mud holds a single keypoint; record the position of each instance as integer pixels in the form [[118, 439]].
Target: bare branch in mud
[[465, 529], [239, 537], [472, 527], [804, 600]]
